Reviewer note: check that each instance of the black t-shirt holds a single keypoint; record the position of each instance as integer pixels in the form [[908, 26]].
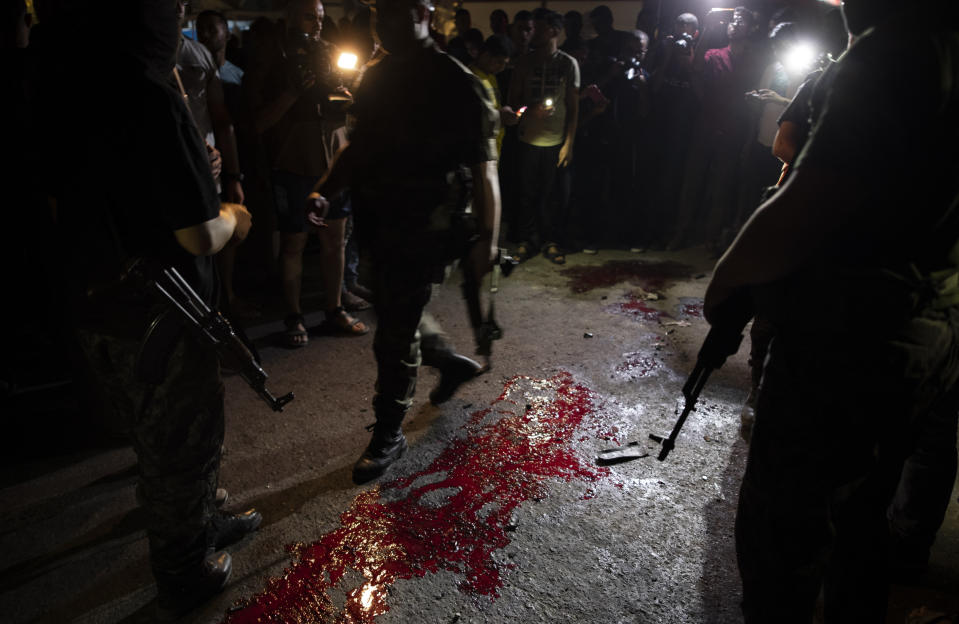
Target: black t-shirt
[[800, 109], [138, 171], [419, 124], [887, 130], [889, 125], [416, 120]]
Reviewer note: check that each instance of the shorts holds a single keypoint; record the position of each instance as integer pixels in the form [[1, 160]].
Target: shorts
[[289, 197]]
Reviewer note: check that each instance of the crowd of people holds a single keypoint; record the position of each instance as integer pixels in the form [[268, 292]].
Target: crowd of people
[[644, 138], [626, 139]]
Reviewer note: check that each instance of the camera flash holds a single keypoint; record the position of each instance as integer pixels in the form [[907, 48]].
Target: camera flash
[[548, 102], [347, 61], [799, 58]]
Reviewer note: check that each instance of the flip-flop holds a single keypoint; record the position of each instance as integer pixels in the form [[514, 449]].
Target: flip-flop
[[338, 321], [522, 252], [354, 303], [294, 337], [554, 255]]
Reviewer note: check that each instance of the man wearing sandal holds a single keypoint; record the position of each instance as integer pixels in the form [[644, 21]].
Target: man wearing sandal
[[288, 98], [423, 125], [545, 84]]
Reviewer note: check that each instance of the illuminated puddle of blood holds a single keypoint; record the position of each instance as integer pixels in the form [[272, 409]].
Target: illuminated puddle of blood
[[639, 308], [510, 451], [690, 307], [647, 275]]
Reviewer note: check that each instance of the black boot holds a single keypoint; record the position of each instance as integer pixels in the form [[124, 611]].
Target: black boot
[[386, 446], [178, 595], [231, 528], [455, 370]]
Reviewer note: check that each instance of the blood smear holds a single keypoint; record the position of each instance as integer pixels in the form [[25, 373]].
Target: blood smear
[[509, 453]]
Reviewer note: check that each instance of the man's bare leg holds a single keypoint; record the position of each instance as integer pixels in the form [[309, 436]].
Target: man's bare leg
[[333, 243], [292, 245]]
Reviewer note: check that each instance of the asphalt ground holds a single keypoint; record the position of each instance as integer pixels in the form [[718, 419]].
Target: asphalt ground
[[499, 512]]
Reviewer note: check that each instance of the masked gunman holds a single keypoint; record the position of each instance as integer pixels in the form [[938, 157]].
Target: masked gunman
[[856, 263], [424, 135], [132, 179]]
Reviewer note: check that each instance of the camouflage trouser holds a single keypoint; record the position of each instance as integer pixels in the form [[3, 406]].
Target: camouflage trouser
[[177, 433], [405, 336], [834, 424]]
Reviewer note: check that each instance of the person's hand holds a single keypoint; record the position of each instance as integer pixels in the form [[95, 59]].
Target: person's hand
[[508, 116], [243, 220], [233, 191], [216, 161], [768, 95], [317, 208], [565, 154]]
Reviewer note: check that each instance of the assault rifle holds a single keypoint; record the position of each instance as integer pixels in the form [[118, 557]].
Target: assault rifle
[[485, 328], [183, 307], [722, 341]]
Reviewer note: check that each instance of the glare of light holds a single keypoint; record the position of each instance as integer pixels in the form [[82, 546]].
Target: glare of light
[[347, 60], [548, 102], [799, 58], [366, 597]]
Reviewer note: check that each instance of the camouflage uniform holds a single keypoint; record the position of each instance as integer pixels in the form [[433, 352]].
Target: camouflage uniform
[[866, 346], [177, 431], [128, 177]]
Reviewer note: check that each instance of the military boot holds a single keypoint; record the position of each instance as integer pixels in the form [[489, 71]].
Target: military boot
[[455, 370], [179, 594], [229, 528], [386, 446]]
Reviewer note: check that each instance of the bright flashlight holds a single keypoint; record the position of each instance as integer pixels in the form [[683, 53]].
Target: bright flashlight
[[347, 61], [548, 102], [799, 58]]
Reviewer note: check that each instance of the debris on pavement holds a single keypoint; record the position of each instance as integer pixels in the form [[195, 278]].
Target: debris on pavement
[[631, 451]]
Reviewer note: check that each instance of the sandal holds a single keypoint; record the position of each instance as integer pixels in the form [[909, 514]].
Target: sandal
[[554, 255], [522, 252], [338, 321], [354, 303], [295, 335]]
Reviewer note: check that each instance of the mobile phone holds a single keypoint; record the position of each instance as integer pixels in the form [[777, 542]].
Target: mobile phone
[[522, 109]]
